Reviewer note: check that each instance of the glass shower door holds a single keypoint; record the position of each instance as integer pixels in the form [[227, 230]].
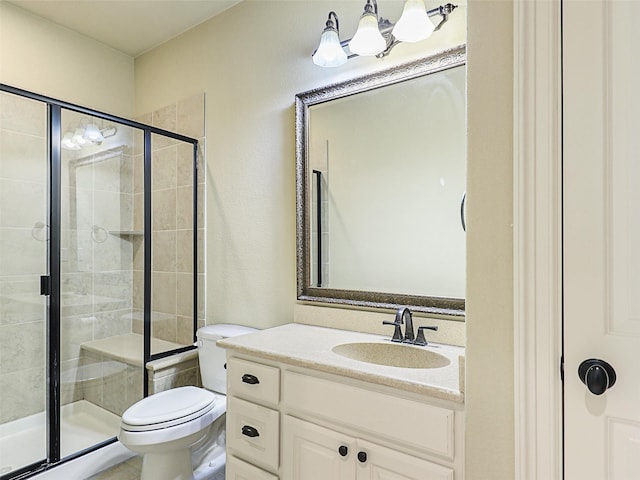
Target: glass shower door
[[102, 249], [96, 213], [24, 185]]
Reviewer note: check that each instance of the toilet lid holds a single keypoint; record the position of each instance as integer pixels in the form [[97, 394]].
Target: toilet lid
[[170, 407]]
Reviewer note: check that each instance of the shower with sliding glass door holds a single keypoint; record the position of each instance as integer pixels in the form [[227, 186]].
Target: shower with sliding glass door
[[98, 242]]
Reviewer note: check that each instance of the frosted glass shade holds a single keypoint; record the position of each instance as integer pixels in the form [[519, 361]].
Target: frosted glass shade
[[368, 40], [329, 53], [414, 24], [78, 137], [67, 142], [92, 133]]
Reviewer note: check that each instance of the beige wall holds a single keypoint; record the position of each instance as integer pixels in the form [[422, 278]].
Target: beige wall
[[489, 350], [251, 61], [42, 57]]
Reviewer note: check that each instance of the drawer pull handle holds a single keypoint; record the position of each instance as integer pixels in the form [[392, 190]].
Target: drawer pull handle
[[250, 431], [343, 450], [250, 379], [362, 457]]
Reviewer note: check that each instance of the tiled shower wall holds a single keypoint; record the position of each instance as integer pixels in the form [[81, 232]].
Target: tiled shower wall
[[172, 198], [102, 287], [23, 190]]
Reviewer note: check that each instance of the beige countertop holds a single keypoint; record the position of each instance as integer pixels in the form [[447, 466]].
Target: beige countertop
[[311, 347]]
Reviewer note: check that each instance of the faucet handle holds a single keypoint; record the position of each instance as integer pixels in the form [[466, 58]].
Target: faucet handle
[[420, 339], [397, 333]]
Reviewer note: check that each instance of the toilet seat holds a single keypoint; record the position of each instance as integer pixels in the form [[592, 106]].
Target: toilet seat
[[168, 409]]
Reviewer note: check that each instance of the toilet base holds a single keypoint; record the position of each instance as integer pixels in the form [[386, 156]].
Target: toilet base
[[173, 465]]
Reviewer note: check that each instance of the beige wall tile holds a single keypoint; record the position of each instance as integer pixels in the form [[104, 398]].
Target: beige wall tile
[[184, 207], [187, 377], [20, 300], [185, 251], [138, 212], [163, 168], [138, 289], [22, 157], [184, 166], [185, 294], [23, 393], [164, 292], [163, 251], [21, 252], [23, 204], [22, 346], [138, 252], [185, 331], [163, 326], [22, 115], [164, 210]]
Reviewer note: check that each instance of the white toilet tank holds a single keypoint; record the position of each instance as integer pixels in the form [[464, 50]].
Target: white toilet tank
[[212, 358]]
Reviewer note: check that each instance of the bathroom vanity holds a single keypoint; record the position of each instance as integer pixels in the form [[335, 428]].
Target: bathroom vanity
[[307, 403]]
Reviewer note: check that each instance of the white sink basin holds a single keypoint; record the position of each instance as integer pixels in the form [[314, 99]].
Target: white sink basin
[[392, 355]]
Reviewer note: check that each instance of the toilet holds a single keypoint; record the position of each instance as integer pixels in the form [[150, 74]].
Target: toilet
[[164, 427]]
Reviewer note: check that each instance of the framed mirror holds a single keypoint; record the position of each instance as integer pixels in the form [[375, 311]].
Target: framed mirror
[[380, 188]]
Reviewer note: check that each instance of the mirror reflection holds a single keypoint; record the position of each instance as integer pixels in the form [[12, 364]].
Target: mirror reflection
[[384, 174]]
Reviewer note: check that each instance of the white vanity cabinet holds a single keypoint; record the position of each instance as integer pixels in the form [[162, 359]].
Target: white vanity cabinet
[[287, 422]]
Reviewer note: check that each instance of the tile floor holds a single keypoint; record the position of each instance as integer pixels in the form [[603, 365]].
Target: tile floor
[[129, 470]]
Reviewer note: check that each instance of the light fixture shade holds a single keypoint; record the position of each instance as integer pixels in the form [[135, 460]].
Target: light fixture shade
[[414, 24], [78, 137], [67, 143], [368, 40], [92, 133], [329, 53]]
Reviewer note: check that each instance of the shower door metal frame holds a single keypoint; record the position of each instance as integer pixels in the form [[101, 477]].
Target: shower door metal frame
[[51, 287]]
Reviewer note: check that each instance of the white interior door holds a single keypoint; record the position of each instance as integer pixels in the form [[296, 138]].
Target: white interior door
[[601, 185]]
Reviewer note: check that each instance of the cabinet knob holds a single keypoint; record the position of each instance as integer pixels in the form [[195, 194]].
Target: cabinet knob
[[250, 379], [362, 457], [343, 450]]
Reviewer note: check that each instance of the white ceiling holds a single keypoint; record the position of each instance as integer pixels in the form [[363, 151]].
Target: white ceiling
[[130, 26]]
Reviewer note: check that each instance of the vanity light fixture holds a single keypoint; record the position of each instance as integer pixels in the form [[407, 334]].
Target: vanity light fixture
[[86, 135], [377, 36]]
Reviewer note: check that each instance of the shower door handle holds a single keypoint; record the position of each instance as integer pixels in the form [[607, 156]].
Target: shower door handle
[[45, 285]]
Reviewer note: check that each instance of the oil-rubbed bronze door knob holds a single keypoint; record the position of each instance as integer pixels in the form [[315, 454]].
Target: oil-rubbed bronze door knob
[[597, 375]]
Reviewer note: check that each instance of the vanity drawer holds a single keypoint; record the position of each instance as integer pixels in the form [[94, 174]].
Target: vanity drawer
[[417, 425], [253, 381], [239, 470], [253, 432]]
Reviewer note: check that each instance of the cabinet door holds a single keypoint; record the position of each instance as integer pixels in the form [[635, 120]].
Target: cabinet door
[[311, 452], [375, 462]]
